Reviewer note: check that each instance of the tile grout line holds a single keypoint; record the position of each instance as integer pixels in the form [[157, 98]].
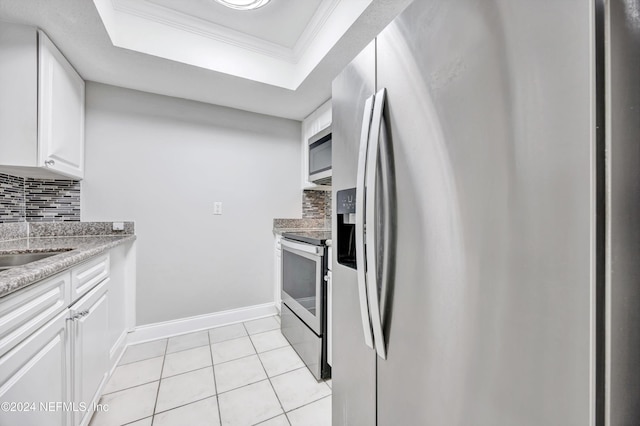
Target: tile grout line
[[187, 371], [195, 400], [309, 403], [175, 375], [306, 403], [271, 418], [215, 384], [139, 385], [290, 371], [130, 387], [257, 353], [155, 405], [203, 368], [165, 354], [144, 359], [135, 421], [185, 404], [268, 378], [168, 377], [194, 347]]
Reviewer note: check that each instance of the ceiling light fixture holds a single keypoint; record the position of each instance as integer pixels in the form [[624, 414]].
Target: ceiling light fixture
[[243, 4]]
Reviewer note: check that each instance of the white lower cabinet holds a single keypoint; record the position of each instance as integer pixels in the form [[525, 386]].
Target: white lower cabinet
[[90, 349], [58, 342], [277, 273], [34, 377], [120, 300]]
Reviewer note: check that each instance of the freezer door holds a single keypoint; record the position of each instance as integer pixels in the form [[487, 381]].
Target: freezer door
[[353, 364], [489, 113]]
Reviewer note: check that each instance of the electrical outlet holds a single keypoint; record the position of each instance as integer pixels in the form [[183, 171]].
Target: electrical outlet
[[217, 208], [118, 226]]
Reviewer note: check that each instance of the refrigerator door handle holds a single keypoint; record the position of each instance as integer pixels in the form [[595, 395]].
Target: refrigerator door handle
[[360, 224], [371, 220]]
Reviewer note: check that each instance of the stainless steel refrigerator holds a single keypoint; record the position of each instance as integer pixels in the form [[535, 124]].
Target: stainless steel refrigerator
[[481, 197]]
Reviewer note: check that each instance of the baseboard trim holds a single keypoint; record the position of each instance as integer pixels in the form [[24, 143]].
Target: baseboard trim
[[118, 348], [161, 330]]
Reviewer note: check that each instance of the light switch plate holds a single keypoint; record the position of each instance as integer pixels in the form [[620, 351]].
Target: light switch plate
[[217, 208], [118, 226]]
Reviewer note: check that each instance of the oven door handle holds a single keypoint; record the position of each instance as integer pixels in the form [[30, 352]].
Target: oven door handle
[[306, 248], [361, 265]]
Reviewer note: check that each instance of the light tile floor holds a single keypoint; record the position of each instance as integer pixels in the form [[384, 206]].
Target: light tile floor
[[242, 374]]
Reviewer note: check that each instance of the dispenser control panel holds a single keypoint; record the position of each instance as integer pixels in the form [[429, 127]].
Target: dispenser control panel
[[345, 239], [346, 201]]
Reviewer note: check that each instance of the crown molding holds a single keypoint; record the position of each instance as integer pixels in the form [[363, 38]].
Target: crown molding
[[163, 31], [173, 18], [315, 26]]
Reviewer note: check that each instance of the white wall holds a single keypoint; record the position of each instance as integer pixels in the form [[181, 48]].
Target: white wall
[[162, 162]]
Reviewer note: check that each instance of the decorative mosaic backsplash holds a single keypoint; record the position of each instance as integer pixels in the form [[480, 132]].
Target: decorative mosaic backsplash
[[11, 199], [38, 200], [52, 200], [316, 205]]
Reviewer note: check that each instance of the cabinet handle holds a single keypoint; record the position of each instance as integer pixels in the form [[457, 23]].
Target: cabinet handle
[[79, 315], [49, 163]]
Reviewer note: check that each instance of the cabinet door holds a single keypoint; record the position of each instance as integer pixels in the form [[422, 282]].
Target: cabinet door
[[277, 273], [60, 112], [318, 120], [90, 346], [33, 377], [19, 89], [118, 303]]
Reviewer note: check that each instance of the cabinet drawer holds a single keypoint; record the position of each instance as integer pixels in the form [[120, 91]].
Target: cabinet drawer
[[24, 312], [87, 275]]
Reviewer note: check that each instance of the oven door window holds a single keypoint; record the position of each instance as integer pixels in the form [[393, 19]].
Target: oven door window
[[301, 283]]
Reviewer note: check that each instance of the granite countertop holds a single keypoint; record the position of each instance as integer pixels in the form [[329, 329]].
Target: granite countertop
[[317, 237], [82, 248], [290, 225]]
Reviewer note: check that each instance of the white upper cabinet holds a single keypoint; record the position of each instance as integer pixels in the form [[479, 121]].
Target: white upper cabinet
[[42, 107], [318, 120], [61, 112]]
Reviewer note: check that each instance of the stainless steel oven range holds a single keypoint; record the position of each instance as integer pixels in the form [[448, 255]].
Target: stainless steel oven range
[[304, 295]]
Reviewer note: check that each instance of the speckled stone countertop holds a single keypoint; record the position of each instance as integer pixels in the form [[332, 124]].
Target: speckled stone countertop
[[73, 249], [82, 248], [318, 238], [288, 225]]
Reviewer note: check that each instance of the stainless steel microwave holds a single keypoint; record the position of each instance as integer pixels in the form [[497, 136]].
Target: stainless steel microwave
[[320, 157]]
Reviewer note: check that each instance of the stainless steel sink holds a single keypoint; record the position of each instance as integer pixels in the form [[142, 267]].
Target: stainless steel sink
[[8, 261]]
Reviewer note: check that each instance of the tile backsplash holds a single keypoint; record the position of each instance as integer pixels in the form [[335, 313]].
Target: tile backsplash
[[52, 200], [316, 204], [12, 203], [38, 200]]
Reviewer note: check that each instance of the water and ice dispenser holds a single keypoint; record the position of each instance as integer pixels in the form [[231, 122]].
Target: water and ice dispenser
[[346, 238]]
